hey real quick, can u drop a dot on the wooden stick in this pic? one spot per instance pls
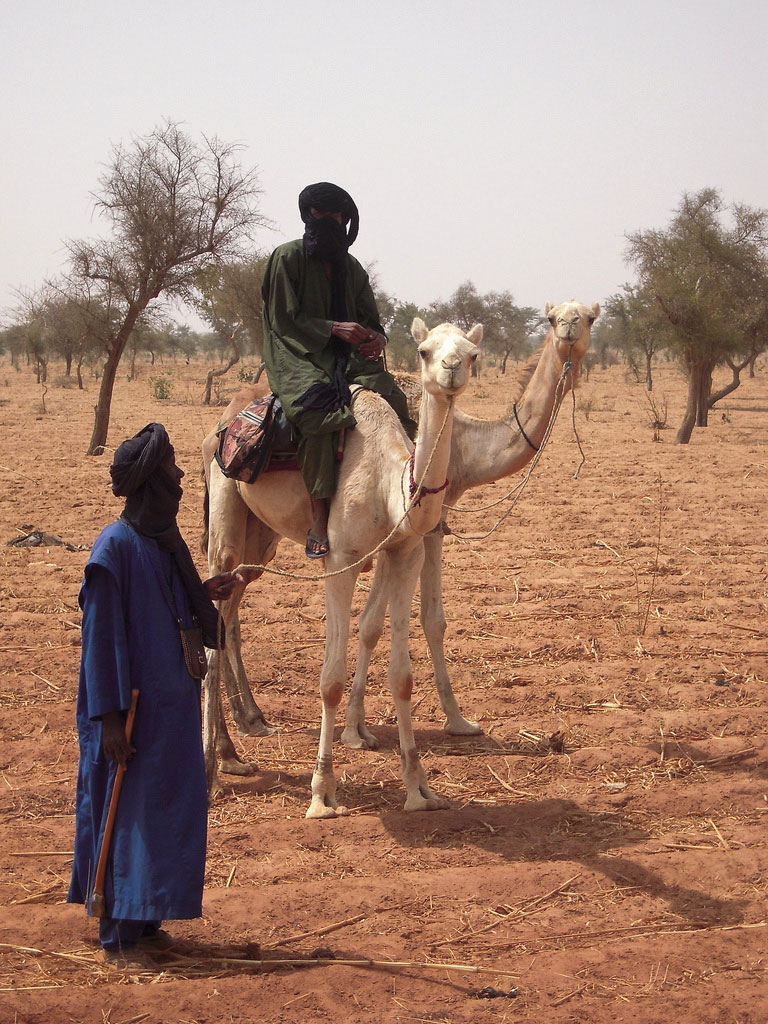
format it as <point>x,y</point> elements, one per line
<point>43,952</point>
<point>327,929</point>
<point>377,964</point>
<point>97,895</point>
<point>42,853</point>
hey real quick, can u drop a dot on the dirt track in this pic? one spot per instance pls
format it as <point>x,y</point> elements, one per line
<point>622,879</point>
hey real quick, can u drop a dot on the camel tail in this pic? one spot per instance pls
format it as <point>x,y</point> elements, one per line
<point>206,514</point>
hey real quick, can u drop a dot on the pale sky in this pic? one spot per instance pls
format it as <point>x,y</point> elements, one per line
<point>511,143</point>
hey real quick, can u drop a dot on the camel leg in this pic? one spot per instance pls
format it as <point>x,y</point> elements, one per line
<point>404,573</point>
<point>433,623</point>
<point>230,762</point>
<point>356,734</point>
<point>338,603</point>
<point>236,536</point>
<point>213,723</point>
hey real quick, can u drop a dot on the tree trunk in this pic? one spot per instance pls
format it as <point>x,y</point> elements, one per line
<point>648,372</point>
<point>714,398</point>
<point>504,363</point>
<point>104,403</point>
<point>689,420</point>
<point>80,372</point>
<point>704,391</point>
<point>234,358</point>
<point>68,364</point>
<point>102,407</point>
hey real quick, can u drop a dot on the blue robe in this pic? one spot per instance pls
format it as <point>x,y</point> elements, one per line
<point>131,640</point>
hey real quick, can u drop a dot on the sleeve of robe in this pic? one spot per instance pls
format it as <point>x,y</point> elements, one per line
<point>299,333</point>
<point>105,647</point>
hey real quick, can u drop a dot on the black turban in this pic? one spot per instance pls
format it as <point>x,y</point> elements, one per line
<point>144,473</point>
<point>137,458</point>
<point>327,198</point>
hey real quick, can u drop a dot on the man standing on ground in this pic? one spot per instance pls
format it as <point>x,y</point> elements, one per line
<point>140,589</point>
<point>321,334</point>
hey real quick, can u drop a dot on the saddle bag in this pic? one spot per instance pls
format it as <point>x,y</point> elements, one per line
<point>245,447</point>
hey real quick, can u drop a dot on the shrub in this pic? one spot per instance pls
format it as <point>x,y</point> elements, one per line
<point>161,387</point>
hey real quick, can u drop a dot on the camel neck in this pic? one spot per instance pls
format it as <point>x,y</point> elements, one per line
<point>487,450</point>
<point>433,446</point>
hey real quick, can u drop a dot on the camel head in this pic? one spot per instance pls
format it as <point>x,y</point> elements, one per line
<point>571,323</point>
<point>447,355</point>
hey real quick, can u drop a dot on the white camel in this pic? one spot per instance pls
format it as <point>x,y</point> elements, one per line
<point>482,451</point>
<point>246,522</point>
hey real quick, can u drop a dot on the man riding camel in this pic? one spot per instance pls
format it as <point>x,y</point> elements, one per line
<point>322,333</point>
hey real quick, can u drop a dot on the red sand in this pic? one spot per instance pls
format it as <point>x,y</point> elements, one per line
<point>623,879</point>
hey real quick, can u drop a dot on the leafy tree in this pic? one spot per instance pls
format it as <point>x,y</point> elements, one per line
<point>401,350</point>
<point>30,332</point>
<point>183,341</point>
<point>229,299</point>
<point>174,206</point>
<point>635,325</point>
<point>706,272</point>
<point>506,327</point>
<point>464,308</point>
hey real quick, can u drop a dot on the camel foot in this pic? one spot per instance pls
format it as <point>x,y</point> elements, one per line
<point>319,809</point>
<point>459,726</point>
<point>233,766</point>
<point>425,800</point>
<point>259,727</point>
<point>358,737</point>
<point>215,789</point>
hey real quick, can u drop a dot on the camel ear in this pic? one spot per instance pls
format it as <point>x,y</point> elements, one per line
<point>595,311</point>
<point>419,330</point>
<point>547,309</point>
<point>476,334</point>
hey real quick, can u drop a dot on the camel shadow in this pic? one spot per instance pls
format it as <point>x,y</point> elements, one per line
<point>265,780</point>
<point>433,740</point>
<point>550,830</point>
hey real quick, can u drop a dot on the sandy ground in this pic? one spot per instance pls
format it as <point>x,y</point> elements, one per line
<point>619,875</point>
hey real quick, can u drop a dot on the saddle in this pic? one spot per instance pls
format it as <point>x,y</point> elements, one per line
<point>258,440</point>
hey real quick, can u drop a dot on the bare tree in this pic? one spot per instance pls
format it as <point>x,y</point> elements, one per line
<point>174,207</point>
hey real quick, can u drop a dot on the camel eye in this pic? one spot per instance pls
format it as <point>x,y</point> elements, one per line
<point>474,358</point>
<point>591,320</point>
<point>423,353</point>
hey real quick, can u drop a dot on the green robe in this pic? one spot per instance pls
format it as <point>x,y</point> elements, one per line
<point>297,354</point>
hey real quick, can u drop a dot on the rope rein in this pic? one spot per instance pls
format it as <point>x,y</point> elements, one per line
<point>520,487</point>
<point>417,491</point>
<point>413,487</point>
<point>416,495</point>
<point>520,425</point>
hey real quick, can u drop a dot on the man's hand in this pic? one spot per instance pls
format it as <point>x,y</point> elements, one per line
<point>373,346</point>
<point>220,587</point>
<point>370,342</point>
<point>352,333</point>
<point>114,744</point>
